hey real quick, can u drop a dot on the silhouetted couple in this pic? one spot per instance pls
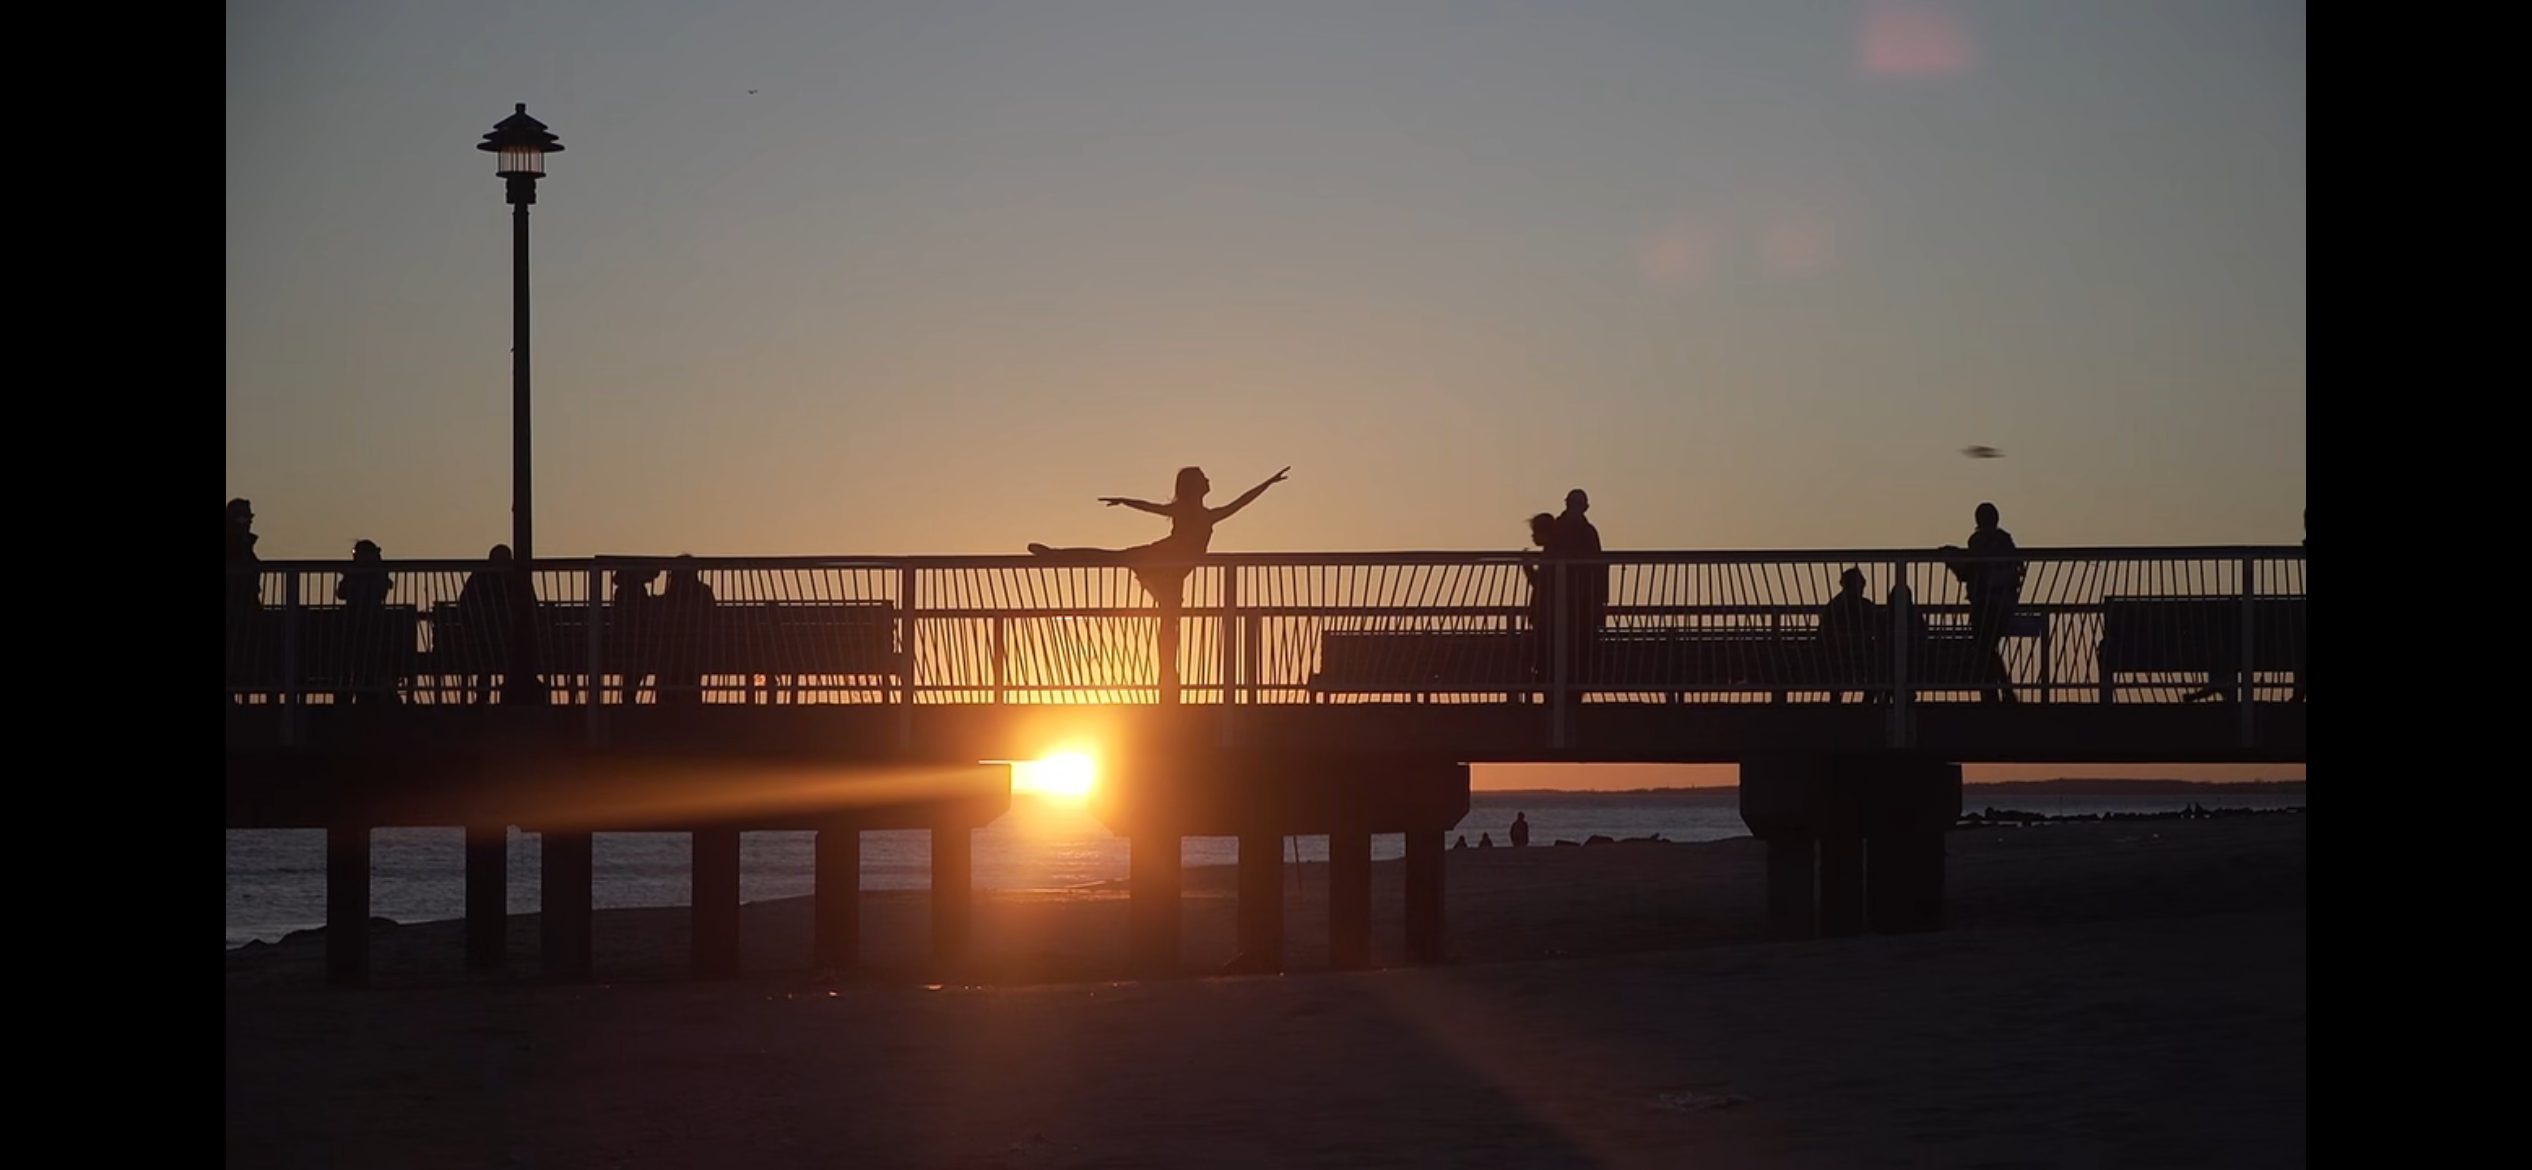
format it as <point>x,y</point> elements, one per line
<point>1162,565</point>
<point>1585,599</point>
<point>664,634</point>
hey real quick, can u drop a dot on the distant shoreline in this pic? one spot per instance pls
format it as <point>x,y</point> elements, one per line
<point>2060,787</point>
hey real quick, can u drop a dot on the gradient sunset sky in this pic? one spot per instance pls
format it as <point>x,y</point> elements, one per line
<point>1752,272</point>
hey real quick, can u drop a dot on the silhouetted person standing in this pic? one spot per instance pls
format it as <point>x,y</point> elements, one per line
<point>1590,602</point>
<point>363,591</point>
<point>1994,584</point>
<point>1849,630</point>
<point>484,604</point>
<point>685,611</point>
<point>1520,832</point>
<point>245,593</point>
<point>1542,601</point>
<point>241,540</point>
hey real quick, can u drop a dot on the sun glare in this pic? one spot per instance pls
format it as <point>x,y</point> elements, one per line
<point>1066,775</point>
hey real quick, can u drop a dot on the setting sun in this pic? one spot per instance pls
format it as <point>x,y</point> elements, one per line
<point>1068,775</point>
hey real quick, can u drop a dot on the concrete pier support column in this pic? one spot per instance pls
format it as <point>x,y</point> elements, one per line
<point>347,905</point>
<point>487,897</point>
<point>1841,882</point>
<point>713,907</point>
<point>1153,913</point>
<point>1349,900</point>
<point>1792,888</point>
<point>1877,824</point>
<point>1903,887</point>
<point>953,892</point>
<point>1425,936</point>
<point>1261,902</point>
<point>837,930</point>
<point>565,889</point>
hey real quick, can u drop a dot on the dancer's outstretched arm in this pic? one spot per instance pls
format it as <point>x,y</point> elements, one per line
<point>1137,505</point>
<point>1250,496</point>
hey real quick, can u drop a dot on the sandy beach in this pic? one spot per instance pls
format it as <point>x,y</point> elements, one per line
<point>2108,994</point>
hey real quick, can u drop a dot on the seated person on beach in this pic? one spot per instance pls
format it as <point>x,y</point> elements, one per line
<point>1190,532</point>
<point>1485,840</point>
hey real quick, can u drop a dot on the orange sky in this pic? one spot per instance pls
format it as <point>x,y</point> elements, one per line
<point>882,279</point>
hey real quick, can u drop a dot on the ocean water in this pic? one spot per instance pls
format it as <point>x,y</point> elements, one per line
<point>276,877</point>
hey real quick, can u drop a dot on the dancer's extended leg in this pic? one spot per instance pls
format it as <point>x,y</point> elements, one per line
<point>1076,554</point>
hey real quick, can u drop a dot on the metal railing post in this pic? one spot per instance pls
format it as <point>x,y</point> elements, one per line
<point>905,656</point>
<point>1252,655</point>
<point>2244,716</point>
<point>1001,668</point>
<point>1560,641</point>
<point>290,696</point>
<point>1228,626</point>
<point>1903,632</point>
<point>593,617</point>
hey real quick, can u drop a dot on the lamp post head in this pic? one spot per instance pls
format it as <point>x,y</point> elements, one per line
<point>521,144</point>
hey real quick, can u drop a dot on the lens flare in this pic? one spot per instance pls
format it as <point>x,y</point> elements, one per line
<point>1064,775</point>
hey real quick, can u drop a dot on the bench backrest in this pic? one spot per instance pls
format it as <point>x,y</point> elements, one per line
<point>753,637</point>
<point>2144,635</point>
<point>335,642</point>
<point>1407,660</point>
<point>1641,658</point>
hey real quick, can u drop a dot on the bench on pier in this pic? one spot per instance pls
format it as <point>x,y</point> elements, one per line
<point>1668,660</point>
<point>2198,640</point>
<point>786,643</point>
<point>367,650</point>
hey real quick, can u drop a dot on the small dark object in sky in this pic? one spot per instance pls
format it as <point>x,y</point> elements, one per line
<point>1982,452</point>
<point>751,92</point>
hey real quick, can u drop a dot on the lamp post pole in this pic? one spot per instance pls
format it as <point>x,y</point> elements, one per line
<point>521,144</point>
<point>522,463</point>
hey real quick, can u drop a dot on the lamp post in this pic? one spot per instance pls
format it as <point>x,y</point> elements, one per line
<point>521,144</point>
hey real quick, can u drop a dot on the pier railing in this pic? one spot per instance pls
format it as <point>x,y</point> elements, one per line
<point>2153,625</point>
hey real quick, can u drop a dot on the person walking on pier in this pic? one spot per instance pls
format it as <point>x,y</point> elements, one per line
<point>1994,581</point>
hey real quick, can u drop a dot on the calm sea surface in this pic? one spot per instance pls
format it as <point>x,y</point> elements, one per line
<point>276,878</point>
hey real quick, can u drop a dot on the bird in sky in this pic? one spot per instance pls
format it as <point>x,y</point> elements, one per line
<point>1982,452</point>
